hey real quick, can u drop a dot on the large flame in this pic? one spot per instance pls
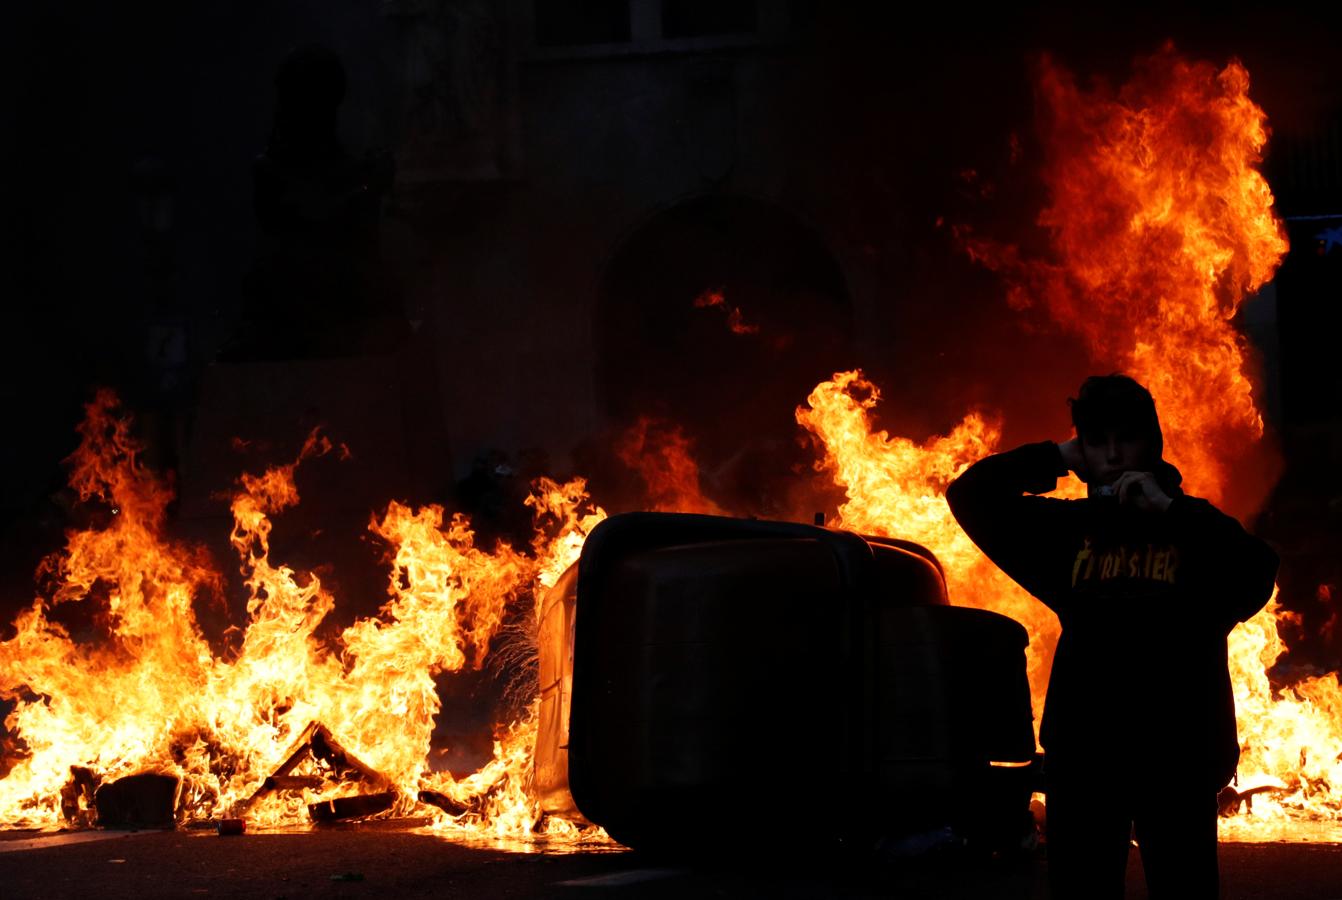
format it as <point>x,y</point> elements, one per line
<point>91,703</point>
<point>896,487</point>
<point>1159,227</point>
<point>155,696</point>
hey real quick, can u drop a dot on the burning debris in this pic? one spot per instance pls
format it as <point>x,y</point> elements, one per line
<point>1160,227</point>
<point>153,695</point>
<point>77,797</point>
<point>147,800</point>
<point>1233,800</point>
<point>338,765</point>
<point>358,806</point>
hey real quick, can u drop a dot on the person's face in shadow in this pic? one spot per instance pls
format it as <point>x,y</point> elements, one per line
<point>1109,452</point>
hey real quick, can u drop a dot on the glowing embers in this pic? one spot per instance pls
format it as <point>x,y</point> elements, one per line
<point>736,323</point>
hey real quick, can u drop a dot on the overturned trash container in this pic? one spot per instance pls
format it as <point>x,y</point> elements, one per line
<point>706,678</point>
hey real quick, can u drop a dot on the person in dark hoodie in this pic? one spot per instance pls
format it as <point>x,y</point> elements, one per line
<point>1147,582</point>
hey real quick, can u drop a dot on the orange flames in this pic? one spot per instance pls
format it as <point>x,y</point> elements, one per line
<point>662,455</point>
<point>896,487</point>
<point>88,704</point>
<point>154,695</point>
<point>1159,226</point>
<point>736,322</point>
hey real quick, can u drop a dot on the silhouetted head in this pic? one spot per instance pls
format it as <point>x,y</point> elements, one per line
<point>309,88</point>
<point>1116,423</point>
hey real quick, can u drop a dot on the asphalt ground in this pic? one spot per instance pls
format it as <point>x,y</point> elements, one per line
<point>391,860</point>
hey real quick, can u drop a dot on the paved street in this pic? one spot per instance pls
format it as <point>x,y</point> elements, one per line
<point>392,860</point>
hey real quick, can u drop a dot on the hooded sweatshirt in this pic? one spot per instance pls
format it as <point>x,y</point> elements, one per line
<point>1139,682</point>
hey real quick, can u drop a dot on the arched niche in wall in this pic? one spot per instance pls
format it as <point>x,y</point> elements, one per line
<point>720,314</point>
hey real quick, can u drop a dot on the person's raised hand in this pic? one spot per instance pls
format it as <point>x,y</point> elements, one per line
<point>1073,458</point>
<point>1142,491</point>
